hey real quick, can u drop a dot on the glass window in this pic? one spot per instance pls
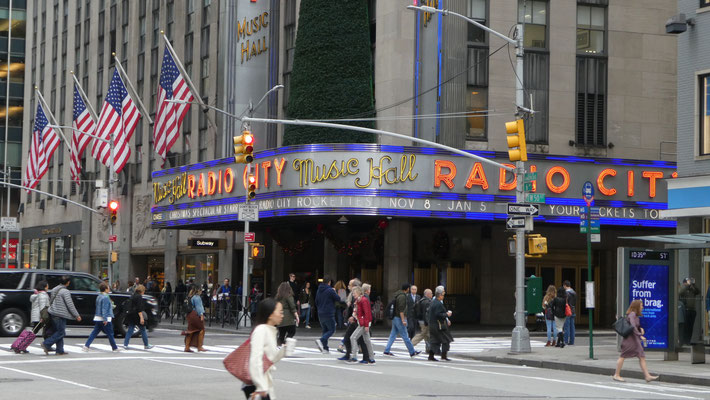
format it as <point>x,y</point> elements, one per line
<point>705,114</point>
<point>704,3</point>
<point>537,73</point>
<point>10,280</point>
<point>477,10</point>
<point>83,283</point>
<point>591,25</point>
<point>591,100</point>
<point>477,96</point>
<point>533,13</point>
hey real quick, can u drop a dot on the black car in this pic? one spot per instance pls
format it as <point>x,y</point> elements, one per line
<point>16,286</point>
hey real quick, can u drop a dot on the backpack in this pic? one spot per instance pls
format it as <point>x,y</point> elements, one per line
<point>187,306</point>
<point>389,311</point>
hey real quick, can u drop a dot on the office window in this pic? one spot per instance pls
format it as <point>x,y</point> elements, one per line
<point>591,26</point>
<point>704,3</point>
<point>591,101</point>
<point>477,10</point>
<point>156,27</point>
<point>170,19</point>
<point>289,48</point>
<point>533,13</point>
<point>704,114</point>
<point>139,151</point>
<point>477,78</point>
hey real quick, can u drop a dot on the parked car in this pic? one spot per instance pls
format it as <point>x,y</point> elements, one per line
<point>17,285</point>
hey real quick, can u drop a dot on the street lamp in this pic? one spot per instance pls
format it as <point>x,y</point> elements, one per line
<point>520,342</point>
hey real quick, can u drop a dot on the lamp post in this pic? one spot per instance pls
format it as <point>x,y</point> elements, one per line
<point>520,342</point>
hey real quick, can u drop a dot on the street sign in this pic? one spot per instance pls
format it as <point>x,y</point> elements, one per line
<point>595,237</point>
<point>530,177</point>
<point>594,212</point>
<point>112,238</point>
<point>523,209</point>
<point>588,192</point>
<point>249,236</point>
<point>535,197</point>
<point>8,224</point>
<point>515,222</point>
<point>248,212</point>
<point>528,186</point>
<point>595,227</point>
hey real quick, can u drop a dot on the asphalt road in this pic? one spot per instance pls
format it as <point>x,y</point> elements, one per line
<point>165,372</point>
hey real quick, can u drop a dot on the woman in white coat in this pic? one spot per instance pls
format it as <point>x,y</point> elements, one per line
<point>39,300</point>
<point>269,315</point>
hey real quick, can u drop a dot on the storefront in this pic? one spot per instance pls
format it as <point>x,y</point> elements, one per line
<point>52,246</point>
<point>393,214</point>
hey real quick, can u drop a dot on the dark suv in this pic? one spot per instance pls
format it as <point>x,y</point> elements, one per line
<point>16,286</point>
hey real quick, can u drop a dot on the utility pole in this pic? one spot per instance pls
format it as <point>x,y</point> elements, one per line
<point>7,118</point>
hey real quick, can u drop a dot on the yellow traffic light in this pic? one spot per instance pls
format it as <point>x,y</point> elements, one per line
<point>537,244</point>
<point>256,250</point>
<point>243,148</point>
<point>114,256</point>
<point>517,150</point>
<point>251,187</point>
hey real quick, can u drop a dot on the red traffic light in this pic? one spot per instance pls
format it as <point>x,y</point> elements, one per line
<point>113,205</point>
<point>248,139</point>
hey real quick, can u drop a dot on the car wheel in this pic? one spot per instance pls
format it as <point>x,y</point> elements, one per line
<point>12,322</point>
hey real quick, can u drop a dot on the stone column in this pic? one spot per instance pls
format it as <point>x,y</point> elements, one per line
<point>224,269</point>
<point>277,266</point>
<point>330,260</point>
<point>171,253</point>
<point>85,244</point>
<point>398,257</point>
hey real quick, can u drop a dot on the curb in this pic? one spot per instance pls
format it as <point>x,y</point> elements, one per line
<point>587,369</point>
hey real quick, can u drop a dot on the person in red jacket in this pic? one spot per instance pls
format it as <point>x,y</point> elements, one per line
<point>364,320</point>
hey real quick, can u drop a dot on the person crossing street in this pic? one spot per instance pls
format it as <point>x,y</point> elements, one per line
<point>399,322</point>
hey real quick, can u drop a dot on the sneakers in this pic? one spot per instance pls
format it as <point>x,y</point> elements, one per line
<point>125,347</point>
<point>64,353</point>
<point>148,347</point>
<point>308,327</point>
<point>116,350</point>
<point>320,346</point>
<point>344,358</point>
<point>371,362</point>
<point>341,348</point>
<point>387,353</point>
<point>352,360</point>
<point>416,353</point>
<point>365,362</point>
<point>85,349</point>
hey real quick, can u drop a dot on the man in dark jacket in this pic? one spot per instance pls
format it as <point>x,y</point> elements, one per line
<point>399,322</point>
<point>294,287</point>
<point>569,322</point>
<point>412,300</point>
<point>439,334</point>
<point>326,298</point>
<point>61,309</point>
<point>421,311</point>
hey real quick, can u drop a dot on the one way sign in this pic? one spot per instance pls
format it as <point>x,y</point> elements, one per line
<point>523,209</point>
<point>515,222</point>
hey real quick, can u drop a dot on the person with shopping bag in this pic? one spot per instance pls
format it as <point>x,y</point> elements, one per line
<point>253,361</point>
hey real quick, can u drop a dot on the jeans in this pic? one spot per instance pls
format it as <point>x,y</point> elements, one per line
<point>339,318</point>
<point>399,329</point>
<point>59,326</point>
<point>569,330</point>
<point>129,333</point>
<point>306,315</point>
<point>328,326</point>
<point>100,327</point>
<point>551,330</point>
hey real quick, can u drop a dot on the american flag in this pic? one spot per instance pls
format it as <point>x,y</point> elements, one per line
<point>44,141</point>
<point>169,115</point>
<point>118,119</point>
<point>83,122</point>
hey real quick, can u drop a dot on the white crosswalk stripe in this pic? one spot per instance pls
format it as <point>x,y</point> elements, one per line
<point>461,345</point>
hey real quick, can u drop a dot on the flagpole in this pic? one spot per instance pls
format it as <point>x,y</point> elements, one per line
<point>84,97</point>
<point>135,96</point>
<point>49,113</point>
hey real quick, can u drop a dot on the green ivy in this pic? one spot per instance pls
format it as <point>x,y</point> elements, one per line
<point>332,71</point>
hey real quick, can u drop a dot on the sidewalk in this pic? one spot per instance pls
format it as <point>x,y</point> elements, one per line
<point>576,359</point>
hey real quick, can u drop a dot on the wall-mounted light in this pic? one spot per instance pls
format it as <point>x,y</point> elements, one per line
<point>679,24</point>
<point>342,220</point>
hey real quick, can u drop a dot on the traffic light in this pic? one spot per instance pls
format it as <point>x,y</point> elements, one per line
<point>251,187</point>
<point>537,244</point>
<point>256,250</point>
<point>517,150</point>
<point>113,211</point>
<point>114,256</point>
<point>243,147</point>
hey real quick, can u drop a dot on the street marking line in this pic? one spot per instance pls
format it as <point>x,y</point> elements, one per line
<point>663,388</point>
<point>594,385</point>
<point>187,365</point>
<point>19,371</point>
<point>332,366</point>
<point>50,359</point>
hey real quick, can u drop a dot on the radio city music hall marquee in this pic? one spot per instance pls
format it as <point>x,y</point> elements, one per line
<point>369,179</point>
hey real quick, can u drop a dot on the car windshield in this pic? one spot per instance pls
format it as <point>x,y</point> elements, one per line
<point>84,284</point>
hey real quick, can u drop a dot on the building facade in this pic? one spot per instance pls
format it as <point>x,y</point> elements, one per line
<point>600,75</point>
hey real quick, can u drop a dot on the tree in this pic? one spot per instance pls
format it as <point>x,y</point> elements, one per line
<point>332,71</point>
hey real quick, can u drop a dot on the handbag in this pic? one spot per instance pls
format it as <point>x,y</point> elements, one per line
<point>237,362</point>
<point>568,310</point>
<point>623,327</point>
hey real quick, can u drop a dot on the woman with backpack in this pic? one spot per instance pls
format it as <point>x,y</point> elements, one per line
<point>269,315</point>
<point>549,316</point>
<point>631,345</point>
<point>195,332</point>
<point>136,316</point>
<point>559,305</point>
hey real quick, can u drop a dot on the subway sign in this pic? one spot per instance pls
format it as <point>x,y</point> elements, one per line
<point>371,179</point>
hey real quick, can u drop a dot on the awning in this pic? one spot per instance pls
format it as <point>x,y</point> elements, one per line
<point>678,241</point>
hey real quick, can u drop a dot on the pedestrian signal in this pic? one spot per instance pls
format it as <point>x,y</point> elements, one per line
<point>256,250</point>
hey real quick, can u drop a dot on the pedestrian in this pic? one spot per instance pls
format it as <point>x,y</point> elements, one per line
<point>254,298</point>
<point>129,289</point>
<point>39,300</point>
<point>364,321</point>
<point>421,312</point>
<point>558,305</point>
<point>632,346</point>
<point>132,286</point>
<point>195,332</point>
<point>224,294</point>
<point>351,312</point>
<point>287,327</point>
<point>399,322</point>
<point>103,318</point>
<point>294,287</point>
<point>412,300</point>
<point>340,306</point>
<point>269,314</point>
<point>136,316</point>
<point>326,299</point>
<point>61,309</point>
<point>439,336</point>
<point>688,296</point>
<point>569,322</point>
<point>166,299</point>
<point>306,301</point>
<point>549,316</point>
<point>116,286</point>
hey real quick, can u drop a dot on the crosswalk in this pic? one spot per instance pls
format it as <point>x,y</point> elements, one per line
<point>459,345</point>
